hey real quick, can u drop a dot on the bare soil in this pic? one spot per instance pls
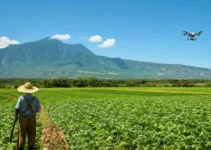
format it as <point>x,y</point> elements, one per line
<point>52,138</point>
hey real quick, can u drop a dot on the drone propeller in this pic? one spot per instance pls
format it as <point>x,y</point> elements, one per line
<point>185,33</point>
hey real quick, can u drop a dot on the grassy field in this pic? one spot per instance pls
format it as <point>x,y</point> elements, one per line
<point>122,118</point>
<point>194,90</point>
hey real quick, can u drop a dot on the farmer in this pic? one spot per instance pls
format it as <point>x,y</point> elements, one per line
<point>25,110</point>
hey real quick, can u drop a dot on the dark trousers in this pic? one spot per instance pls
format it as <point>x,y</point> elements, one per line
<point>27,127</point>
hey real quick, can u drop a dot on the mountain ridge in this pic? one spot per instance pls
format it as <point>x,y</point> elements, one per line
<point>51,58</point>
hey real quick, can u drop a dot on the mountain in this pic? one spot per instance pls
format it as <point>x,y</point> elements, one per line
<point>50,58</point>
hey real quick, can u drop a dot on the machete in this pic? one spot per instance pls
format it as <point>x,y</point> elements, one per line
<point>13,126</point>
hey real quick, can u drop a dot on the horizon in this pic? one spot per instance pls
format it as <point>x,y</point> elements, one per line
<point>142,31</point>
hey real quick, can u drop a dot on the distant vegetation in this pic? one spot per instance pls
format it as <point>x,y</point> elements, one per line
<point>94,82</point>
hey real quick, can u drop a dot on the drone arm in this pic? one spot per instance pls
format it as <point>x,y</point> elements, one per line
<point>198,34</point>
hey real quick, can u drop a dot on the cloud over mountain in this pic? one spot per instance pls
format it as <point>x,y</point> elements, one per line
<point>108,43</point>
<point>5,41</point>
<point>95,38</point>
<point>61,36</point>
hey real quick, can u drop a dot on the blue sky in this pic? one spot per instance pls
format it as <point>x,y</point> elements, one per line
<point>144,30</point>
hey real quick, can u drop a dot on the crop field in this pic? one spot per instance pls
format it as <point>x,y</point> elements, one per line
<point>121,118</point>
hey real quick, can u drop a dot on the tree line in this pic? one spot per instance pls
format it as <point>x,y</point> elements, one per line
<point>94,82</point>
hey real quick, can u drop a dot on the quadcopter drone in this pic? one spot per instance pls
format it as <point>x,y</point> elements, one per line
<point>191,36</point>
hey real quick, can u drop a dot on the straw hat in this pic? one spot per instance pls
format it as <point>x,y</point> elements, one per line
<point>27,88</point>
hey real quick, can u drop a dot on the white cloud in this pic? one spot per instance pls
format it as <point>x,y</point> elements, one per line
<point>5,41</point>
<point>61,36</point>
<point>107,43</point>
<point>95,38</point>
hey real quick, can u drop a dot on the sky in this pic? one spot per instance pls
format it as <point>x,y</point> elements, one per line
<point>143,30</point>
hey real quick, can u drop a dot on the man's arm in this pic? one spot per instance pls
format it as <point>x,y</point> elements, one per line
<point>17,109</point>
<point>38,107</point>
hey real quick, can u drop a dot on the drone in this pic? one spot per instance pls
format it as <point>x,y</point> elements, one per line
<point>191,36</point>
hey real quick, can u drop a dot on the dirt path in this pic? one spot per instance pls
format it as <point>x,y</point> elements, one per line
<point>52,138</point>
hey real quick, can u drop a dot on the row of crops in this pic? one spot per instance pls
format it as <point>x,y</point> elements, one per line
<point>108,119</point>
<point>6,121</point>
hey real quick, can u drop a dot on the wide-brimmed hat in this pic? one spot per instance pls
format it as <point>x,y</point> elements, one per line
<point>27,88</point>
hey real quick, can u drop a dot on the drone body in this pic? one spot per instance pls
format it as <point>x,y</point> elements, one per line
<point>191,36</point>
